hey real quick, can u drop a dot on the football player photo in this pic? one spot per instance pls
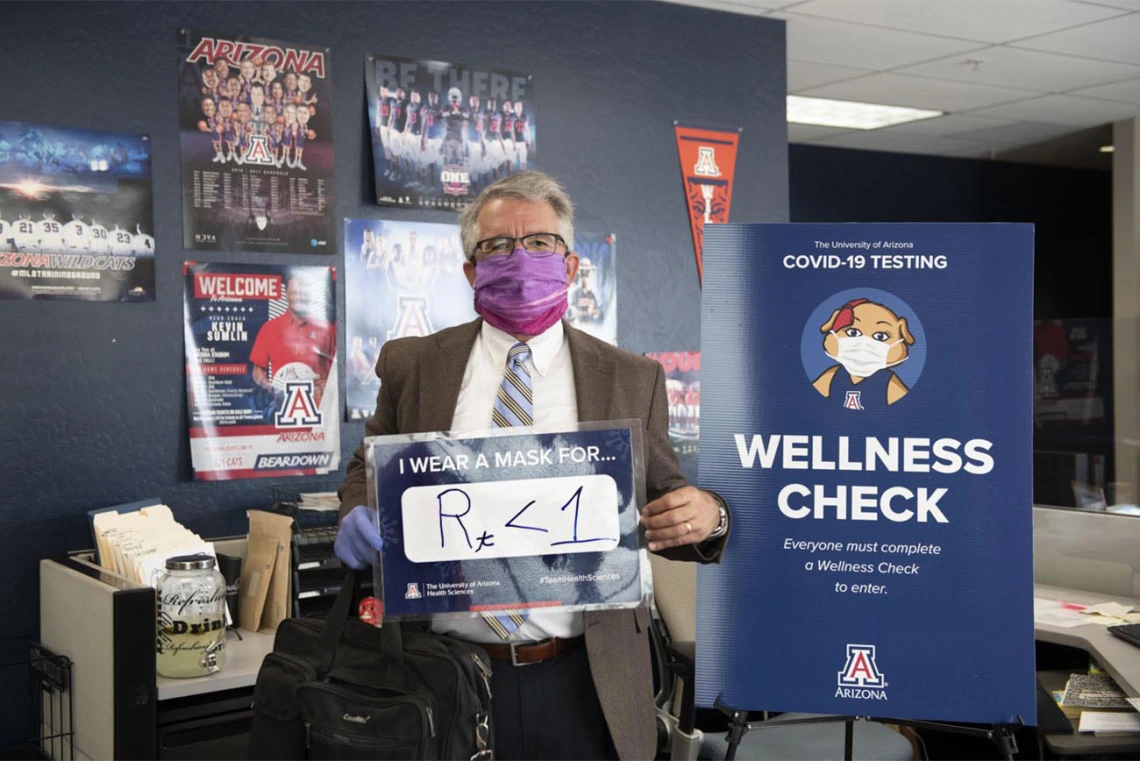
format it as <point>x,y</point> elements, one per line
<point>443,131</point>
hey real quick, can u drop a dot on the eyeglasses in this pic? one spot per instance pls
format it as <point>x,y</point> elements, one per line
<point>537,245</point>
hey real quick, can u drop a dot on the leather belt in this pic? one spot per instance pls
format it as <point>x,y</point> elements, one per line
<point>528,653</point>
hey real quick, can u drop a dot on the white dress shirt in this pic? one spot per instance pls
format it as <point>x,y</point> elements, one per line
<point>555,404</point>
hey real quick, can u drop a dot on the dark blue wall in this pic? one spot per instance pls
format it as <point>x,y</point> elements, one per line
<point>92,410</point>
<point>1071,208</point>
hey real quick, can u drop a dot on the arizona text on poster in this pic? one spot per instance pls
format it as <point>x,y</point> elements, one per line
<point>257,150</point>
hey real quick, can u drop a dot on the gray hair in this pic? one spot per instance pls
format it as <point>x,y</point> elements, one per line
<point>530,185</point>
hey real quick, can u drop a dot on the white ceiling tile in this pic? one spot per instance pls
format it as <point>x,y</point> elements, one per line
<point>1013,133</point>
<point>1063,109</point>
<point>981,20</point>
<point>746,7</point>
<point>1024,69</point>
<point>1117,39</point>
<point>1126,92</point>
<point>803,133</point>
<point>918,92</point>
<point>805,74</point>
<point>1127,5</point>
<point>880,140</point>
<point>864,47</point>
<point>947,126</point>
<point>740,6</point>
<point>1064,65</point>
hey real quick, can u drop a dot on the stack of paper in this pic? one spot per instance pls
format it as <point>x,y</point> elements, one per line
<point>137,544</point>
<point>322,501</point>
<point>1070,614</point>
<point>1111,614</point>
<point>1057,613</point>
<point>1093,691</point>
<point>1104,722</point>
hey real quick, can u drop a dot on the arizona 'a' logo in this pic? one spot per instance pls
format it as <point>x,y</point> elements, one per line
<point>411,317</point>
<point>258,152</point>
<point>706,162</point>
<point>861,669</point>
<point>300,408</point>
<point>413,592</point>
<point>853,401</point>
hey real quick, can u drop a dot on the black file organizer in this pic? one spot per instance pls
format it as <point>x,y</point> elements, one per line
<point>317,574</point>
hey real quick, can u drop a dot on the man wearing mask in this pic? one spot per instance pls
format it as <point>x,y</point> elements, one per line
<point>582,686</point>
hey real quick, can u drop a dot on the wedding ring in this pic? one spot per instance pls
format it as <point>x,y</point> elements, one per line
<point>688,527</point>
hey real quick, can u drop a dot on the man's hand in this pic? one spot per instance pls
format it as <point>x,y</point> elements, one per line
<point>358,540</point>
<point>685,516</point>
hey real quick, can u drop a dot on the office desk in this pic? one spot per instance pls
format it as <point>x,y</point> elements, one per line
<point>1120,659</point>
<point>122,708</point>
<point>243,661</point>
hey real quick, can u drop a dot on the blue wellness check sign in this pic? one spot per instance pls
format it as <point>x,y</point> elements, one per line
<point>867,401</point>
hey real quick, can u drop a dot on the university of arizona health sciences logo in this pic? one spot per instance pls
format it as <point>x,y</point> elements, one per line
<point>860,678</point>
<point>413,592</point>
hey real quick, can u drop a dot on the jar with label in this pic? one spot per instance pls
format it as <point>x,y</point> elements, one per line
<point>191,618</point>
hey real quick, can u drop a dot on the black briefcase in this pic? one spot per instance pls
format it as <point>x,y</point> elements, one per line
<point>337,688</point>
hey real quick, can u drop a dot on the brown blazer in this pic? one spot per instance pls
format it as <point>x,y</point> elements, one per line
<point>419,387</point>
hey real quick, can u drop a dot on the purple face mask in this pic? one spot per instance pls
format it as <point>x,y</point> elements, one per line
<point>520,294</point>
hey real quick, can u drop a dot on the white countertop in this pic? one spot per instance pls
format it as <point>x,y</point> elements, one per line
<point>1120,659</point>
<point>243,661</point>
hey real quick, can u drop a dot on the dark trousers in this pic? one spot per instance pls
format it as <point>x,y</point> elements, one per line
<point>549,710</point>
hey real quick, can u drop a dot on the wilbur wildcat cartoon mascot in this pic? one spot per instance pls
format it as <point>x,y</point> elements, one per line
<point>866,339</point>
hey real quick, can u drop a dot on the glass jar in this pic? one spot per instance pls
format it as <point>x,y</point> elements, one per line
<point>191,617</point>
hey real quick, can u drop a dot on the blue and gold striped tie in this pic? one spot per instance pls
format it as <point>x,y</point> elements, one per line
<point>514,406</point>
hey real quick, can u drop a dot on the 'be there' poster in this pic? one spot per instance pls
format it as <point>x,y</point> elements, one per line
<point>867,415</point>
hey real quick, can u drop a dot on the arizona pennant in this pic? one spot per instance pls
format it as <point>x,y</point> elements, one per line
<point>708,158</point>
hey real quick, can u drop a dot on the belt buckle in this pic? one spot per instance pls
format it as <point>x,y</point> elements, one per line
<point>514,653</point>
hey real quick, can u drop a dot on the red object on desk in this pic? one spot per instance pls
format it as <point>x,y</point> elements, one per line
<point>371,611</point>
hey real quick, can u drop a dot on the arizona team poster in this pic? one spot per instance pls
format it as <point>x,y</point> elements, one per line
<point>76,214</point>
<point>257,145</point>
<point>683,386</point>
<point>1071,374</point>
<point>403,279</point>
<point>261,370</point>
<point>441,132</point>
<point>592,300</point>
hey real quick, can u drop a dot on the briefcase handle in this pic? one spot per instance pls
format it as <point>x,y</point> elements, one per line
<point>391,639</point>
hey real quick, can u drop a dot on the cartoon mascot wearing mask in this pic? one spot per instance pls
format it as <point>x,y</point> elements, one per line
<point>865,339</point>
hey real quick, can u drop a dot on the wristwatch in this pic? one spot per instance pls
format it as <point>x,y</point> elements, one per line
<point>721,527</point>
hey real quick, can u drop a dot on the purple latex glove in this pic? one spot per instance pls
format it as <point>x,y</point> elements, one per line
<point>358,540</point>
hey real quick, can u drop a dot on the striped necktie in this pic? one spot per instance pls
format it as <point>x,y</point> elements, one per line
<point>514,406</point>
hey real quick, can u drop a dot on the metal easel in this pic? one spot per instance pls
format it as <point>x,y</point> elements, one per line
<point>1002,735</point>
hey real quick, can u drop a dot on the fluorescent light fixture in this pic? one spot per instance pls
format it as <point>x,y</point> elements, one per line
<point>1107,148</point>
<point>849,114</point>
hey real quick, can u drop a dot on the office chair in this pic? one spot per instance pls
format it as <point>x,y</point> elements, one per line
<point>674,633</point>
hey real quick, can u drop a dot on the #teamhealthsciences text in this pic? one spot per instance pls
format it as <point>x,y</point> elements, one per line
<point>864,503</point>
